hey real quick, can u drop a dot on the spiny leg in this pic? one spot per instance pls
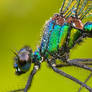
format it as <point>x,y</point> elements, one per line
<point>66,64</point>
<point>80,60</point>
<point>82,63</point>
<point>85,81</point>
<point>72,62</point>
<point>68,76</point>
<point>28,85</point>
<point>75,62</point>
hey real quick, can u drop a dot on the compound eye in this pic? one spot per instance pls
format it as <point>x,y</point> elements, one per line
<point>24,57</point>
<point>19,72</point>
<point>22,63</point>
<point>15,65</point>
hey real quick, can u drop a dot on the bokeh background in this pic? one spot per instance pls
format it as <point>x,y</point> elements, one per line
<point>21,23</point>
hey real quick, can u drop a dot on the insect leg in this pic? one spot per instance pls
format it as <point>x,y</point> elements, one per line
<point>85,81</point>
<point>78,65</point>
<point>80,60</point>
<point>66,64</point>
<point>62,65</point>
<point>28,85</point>
<point>82,63</point>
<point>68,76</point>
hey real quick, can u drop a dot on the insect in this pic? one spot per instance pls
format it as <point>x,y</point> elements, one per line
<point>61,33</point>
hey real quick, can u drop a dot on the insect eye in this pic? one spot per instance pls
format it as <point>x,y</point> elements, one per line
<point>22,63</point>
<point>15,65</point>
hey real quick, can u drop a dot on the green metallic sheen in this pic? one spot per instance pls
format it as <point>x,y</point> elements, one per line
<point>88,26</point>
<point>36,56</point>
<point>54,37</point>
<point>58,37</point>
<point>63,34</point>
<point>74,35</point>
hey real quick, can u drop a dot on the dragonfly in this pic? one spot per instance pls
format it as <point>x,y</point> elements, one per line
<point>62,32</point>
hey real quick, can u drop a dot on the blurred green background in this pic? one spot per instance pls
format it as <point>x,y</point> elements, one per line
<point>21,23</point>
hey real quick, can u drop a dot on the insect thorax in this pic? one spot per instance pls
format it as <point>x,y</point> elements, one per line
<point>56,33</point>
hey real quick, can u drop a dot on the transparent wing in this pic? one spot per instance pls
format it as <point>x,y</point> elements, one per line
<point>78,8</point>
<point>68,7</point>
<point>84,9</point>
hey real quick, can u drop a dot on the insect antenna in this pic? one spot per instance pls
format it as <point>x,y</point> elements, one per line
<point>14,53</point>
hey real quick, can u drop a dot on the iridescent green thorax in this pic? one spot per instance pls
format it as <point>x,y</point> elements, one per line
<point>63,34</point>
<point>88,26</point>
<point>74,35</point>
<point>45,39</point>
<point>58,37</point>
<point>54,37</point>
<point>36,57</point>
